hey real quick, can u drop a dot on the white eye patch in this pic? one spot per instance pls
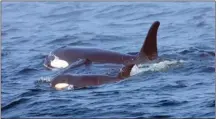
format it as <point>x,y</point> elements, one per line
<point>61,86</point>
<point>58,63</point>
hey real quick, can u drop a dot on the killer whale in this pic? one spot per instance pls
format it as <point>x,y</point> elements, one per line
<point>81,81</point>
<point>64,57</point>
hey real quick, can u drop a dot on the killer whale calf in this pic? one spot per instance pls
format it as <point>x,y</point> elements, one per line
<point>64,57</point>
<point>63,81</point>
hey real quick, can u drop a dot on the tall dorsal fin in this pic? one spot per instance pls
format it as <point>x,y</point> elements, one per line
<point>149,47</point>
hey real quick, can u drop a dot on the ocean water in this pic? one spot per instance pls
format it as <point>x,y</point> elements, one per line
<point>179,84</point>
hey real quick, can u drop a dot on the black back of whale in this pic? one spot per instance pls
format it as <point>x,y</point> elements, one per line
<point>147,52</point>
<point>83,81</point>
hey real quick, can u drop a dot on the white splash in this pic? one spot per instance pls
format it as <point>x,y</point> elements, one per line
<point>45,79</point>
<point>160,66</point>
<point>70,87</point>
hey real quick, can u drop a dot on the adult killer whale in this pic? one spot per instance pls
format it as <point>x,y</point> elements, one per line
<point>64,57</point>
<point>81,81</point>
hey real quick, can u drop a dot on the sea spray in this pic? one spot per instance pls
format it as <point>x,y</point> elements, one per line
<point>159,66</point>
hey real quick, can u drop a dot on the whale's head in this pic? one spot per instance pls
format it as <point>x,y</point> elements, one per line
<point>53,62</point>
<point>61,82</point>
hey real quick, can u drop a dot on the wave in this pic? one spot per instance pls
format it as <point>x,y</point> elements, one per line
<point>73,14</point>
<point>170,103</point>
<point>197,51</point>
<point>80,43</point>
<point>108,38</point>
<point>14,103</point>
<point>27,70</point>
<point>206,69</point>
<point>65,38</point>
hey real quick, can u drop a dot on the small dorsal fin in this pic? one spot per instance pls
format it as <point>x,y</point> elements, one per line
<point>125,71</point>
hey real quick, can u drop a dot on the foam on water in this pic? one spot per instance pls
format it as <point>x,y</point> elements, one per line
<point>159,66</point>
<point>45,79</point>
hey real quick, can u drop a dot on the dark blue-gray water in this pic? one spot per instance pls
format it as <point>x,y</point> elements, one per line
<point>180,85</point>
